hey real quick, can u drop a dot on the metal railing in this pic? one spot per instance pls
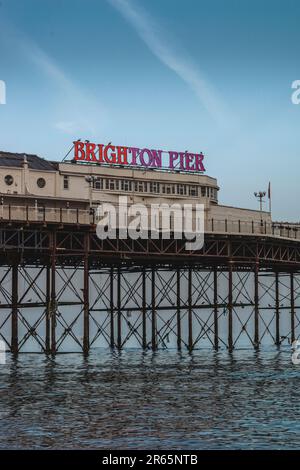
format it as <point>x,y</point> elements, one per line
<point>253,227</point>
<point>45,214</point>
<point>30,214</point>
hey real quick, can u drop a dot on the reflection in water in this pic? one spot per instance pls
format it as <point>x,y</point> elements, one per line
<point>162,400</point>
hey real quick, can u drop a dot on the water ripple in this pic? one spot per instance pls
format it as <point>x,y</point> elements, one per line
<point>161,400</point>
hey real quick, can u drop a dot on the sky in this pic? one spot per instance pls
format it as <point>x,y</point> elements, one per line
<point>199,75</point>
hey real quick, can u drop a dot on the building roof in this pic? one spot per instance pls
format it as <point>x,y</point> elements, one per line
<point>16,160</point>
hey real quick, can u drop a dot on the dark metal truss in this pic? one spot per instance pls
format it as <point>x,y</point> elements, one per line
<point>67,290</point>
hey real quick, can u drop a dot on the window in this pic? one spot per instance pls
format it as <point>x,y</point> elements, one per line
<point>140,186</point>
<point>125,185</point>
<point>41,182</point>
<point>214,194</point>
<point>98,183</point>
<point>193,191</point>
<point>112,185</point>
<point>203,191</point>
<point>154,187</point>
<point>167,188</point>
<point>181,189</point>
<point>66,182</point>
<point>8,180</point>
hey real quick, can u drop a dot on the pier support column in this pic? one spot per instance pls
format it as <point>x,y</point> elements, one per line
<point>230,307</point>
<point>292,307</point>
<point>256,306</point>
<point>119,313</point>
<point>153,311</point>
<point>178,304</point>
<point>86,304</point>
<point>277,313</point>
<point>112,329</point>
<point>144,309</point>
<point>48,309</point>
<point>53,293</point>
<point>190,312</point>
<point>14,313</point>
<point>216,326</point>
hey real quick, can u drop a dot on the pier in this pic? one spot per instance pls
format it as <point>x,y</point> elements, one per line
<point>60,283</point>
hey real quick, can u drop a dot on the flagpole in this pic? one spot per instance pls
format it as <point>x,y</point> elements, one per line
<point>269,196</point>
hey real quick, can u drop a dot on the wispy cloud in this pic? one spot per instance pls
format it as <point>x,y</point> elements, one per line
<point>151,34</point>
<point>77,110</point>
<point>77,101</point>
<point>68,127</point>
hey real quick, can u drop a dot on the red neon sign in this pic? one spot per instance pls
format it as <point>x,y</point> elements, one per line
<point>133,156</point>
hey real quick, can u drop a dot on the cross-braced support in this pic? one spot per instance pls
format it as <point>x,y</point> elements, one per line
<point>66,291</point>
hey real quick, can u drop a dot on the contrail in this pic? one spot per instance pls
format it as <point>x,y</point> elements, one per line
<point>148,31</point>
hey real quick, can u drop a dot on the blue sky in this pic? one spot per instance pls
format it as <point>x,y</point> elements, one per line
<point>203,75</point>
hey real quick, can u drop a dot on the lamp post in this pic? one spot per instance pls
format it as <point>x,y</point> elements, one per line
<point>260,197</point>
<point>90,180</point>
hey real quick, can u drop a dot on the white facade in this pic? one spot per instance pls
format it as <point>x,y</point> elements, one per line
<point>77,185</point>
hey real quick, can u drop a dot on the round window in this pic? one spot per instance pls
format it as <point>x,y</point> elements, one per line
<point>9,180</point>
<point>41,182</point>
